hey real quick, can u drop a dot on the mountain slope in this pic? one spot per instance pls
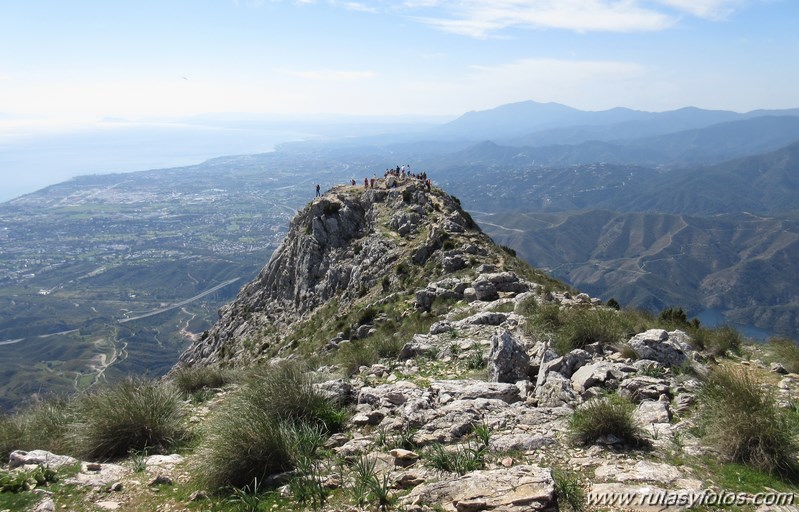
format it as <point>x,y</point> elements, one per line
<point>743,265</point>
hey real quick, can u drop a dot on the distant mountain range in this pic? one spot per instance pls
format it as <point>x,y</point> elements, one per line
<point>542,124</point>
<point>705,201</point>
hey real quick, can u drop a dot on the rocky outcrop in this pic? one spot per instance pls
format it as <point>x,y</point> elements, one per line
<point>347,249</point>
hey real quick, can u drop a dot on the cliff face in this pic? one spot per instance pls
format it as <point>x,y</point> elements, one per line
<point>347,250</point>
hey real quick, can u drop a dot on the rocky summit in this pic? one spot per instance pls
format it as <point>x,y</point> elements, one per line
<point>350,250</point>
<point>467,381</point>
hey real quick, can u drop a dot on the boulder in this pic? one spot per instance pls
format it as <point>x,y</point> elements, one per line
<point>554,391</point>
<point>485,290</point>
<point>652,411</point>
<point>668,349</point>
<point>515,489</point>
<point>19,458</point>
<point>507,360</point>
<point>597,374</point>
<point>485,318</point>
<point>641,387</point>
<point>420,344</point>
<point>337,390</point>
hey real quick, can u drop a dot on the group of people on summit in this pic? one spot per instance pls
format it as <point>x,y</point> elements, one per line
<point>391,176</point>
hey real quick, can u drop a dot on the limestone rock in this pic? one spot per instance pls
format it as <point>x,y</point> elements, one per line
<point>516,489</point>
<point>470,390</point>
<point>669,349</point>
<point>597,374</point>
<point>19,458</point>
<point>652,411</point>
<point>507,360</point>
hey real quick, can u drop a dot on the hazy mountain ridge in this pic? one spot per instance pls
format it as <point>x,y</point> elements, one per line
<point>534,124</point>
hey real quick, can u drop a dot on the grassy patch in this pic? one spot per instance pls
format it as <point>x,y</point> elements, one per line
<point>740,419</point>
<point>194,379</point>
<point>785,352</point>
<point>132,415</point>
<point>42,425</point>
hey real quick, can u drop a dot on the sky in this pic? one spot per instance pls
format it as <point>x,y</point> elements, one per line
<point>82,60</point>
<point>90,66</point>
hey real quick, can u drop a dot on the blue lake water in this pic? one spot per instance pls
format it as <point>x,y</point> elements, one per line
<point>716,318</point>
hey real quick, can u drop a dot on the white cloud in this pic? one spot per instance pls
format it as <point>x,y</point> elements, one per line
<point>358,6</point>
<point>328,75</point>
<point>480,18</point>
<point>710,9</point>
<point>484,18</point>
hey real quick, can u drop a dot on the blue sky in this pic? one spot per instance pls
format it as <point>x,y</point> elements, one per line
<point>73,61</point>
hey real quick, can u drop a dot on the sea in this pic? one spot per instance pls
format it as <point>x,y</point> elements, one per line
<point>30,163</point>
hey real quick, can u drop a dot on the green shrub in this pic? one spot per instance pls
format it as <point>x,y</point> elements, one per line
<point>132,415</point>
<point>634,321</point>
<point>191,379</point>
<point>613,304</point>
<point>45,425</point>
<point>546,317</point>
<point>387,346</point>
<point>611,415</point>
<point>568,490</point>
<point>367,486</point>
<point>585,326</point>
<point>740,418</point>
<point>10,436</point>
<point>402,438</point>
<point>461,460</point>
<point>26,479</point>
<point>723,340</point>
<point>785,352</point>
<point>255,433</point>
<point>508,250</point>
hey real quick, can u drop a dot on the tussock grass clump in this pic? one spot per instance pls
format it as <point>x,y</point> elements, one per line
<point>133,415</point>
<point>254,433</point>
<point>785,352</point>
<point>611,415</point>
<point>10,436</point>
<point>568,490</point>
<point>190,380</point>
<point>740,418</point>
<point>583,327</point>
<point>45,425</point>
<point>42,425</point>
<point>723,340</point>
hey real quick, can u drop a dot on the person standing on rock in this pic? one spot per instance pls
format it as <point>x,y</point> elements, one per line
<point>317,190</point>
<point>366,183</point>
